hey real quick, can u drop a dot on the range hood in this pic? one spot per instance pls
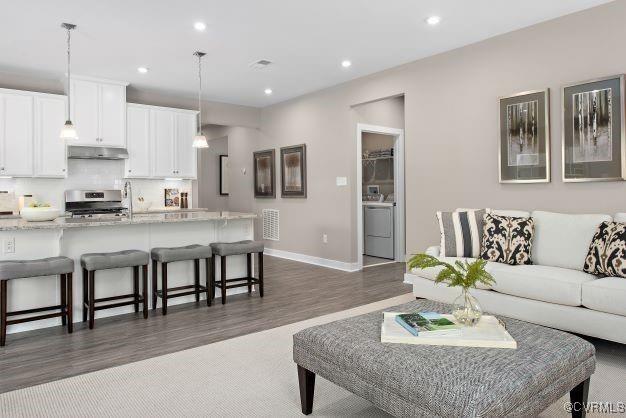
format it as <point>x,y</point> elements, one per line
<point>96,153</point>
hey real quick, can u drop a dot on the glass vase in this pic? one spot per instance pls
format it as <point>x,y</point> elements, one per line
<point>467,310</point>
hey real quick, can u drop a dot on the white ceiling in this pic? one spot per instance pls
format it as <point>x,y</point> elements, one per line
<point>306,40</point>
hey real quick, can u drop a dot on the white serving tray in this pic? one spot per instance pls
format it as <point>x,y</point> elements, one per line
<point>488,333</point>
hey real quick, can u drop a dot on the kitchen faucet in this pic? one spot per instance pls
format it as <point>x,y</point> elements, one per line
<point>128,194</point>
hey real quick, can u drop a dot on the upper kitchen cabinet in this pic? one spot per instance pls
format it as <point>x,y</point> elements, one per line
<point>16,133</point>
<point>98,109</point>
<point>160,142</point>
<point>50,156</point>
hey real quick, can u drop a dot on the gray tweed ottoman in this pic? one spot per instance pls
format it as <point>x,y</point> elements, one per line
<point>438,381</point>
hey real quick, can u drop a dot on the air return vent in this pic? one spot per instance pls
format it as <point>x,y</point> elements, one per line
<point>271,221</point>
<point>260,64</point>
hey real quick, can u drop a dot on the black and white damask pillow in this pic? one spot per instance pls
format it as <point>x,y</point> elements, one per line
<point>607,252</point>
<point>507,240</point>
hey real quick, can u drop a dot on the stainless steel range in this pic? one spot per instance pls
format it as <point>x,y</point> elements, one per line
<point>95,204</point>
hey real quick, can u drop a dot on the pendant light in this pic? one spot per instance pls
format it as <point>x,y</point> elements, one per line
<point>199,141</point>
<point>68,131</point>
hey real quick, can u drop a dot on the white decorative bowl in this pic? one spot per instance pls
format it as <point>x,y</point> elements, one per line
<point>39,214</point>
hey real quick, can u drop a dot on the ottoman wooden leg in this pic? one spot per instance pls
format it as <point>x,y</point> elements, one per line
<point>69,303</point>
<point>144,287</point>
<point>306,378</point>
<point>578,397</point>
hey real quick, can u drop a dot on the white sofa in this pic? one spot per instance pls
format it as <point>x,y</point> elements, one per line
<point>554,291</point>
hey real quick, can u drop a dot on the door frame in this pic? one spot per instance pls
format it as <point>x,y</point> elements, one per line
<point>398,174</point>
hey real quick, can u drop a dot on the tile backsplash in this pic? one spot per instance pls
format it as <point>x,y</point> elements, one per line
<point>94,174</point>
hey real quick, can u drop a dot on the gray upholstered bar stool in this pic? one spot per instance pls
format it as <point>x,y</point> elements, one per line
<point>19,269</point>
<point>165,256</point>
<point>224,249</point>
<point>116,260</point>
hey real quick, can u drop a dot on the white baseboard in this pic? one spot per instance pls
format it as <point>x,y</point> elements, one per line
<point>303,258</point>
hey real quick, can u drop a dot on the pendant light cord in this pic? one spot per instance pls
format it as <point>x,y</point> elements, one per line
<point>68,74</point>
<point>199,94</point>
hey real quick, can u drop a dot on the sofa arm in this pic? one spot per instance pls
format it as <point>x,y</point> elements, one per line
<point>433,251</point>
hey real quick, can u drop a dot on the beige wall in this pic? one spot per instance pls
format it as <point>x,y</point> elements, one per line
<point>207,189</point>
<point>451,129</point>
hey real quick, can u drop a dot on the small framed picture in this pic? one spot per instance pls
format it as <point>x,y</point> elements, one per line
<point>293,171</point>
<point>264,174</point>
<point>524,149</point>
<point>172,198</point>
<point>593,130</point>
<point>223,175</point>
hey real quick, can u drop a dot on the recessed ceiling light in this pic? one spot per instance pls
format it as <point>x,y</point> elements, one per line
<point>346,63</point>
<point>268,91</point>
<point>142,70</point>
<point>433,20</point>
<point>200,26</point>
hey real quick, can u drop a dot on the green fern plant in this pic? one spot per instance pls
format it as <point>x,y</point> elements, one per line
<point>462,274</point>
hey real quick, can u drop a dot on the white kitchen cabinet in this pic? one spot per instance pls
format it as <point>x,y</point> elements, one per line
<point>98,109</point>
<point>163,142</point>
<point>160,142</point>
<point>50,155</point>
<point>139,162</point>
<point>16,134</point>
<point>185,154</point>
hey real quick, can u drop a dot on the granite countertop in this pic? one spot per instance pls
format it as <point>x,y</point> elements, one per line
<point>145,218</point>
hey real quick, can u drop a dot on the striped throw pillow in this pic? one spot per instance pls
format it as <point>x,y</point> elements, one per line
<point>461,233</point>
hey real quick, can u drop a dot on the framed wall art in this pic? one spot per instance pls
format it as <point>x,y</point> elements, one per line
<point>593,130</point>
<point>524,148</point>
<point>293,171</point>
<point>264,174</point>
<point>223,175</point>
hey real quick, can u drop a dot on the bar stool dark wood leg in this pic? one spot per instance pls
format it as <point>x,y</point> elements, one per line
<point>69,303</point>
<point>3,312</point>
<point>261,274</point>
<point>63,280</point>
<point>164,288</point>
<point>223,278</point>
<point>208,281</point>
<point>155,274</point>
<point>136,287</point>
<point>85,294</point>
<point>196,278</point>
<point>213,277</point>
<point>249,262</point>
<point>144,287</point>
<point>92,298</point>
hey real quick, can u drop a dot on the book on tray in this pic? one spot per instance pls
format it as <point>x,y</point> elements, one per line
<point>427,323</point>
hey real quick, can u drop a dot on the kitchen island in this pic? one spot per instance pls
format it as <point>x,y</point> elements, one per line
<point>74,237</point>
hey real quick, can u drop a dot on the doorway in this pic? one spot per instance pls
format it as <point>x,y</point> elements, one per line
<point>380,206</point>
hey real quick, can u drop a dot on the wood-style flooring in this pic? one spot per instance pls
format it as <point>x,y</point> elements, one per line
<point>293,292</point>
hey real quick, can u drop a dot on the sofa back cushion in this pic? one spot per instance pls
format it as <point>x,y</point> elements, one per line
<point>620,217</point>
<point>563,240</point>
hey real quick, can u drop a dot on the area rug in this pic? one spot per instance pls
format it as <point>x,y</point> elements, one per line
<point>252,375</point>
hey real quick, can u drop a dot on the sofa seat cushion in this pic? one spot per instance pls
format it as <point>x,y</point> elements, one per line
<point>606,295</point>
<point>544,283</point>
<point>431,273</point>
<point>563,240</point>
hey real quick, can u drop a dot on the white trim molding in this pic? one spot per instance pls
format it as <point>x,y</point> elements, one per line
<point>318,261</point>
<point>399,219</point>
